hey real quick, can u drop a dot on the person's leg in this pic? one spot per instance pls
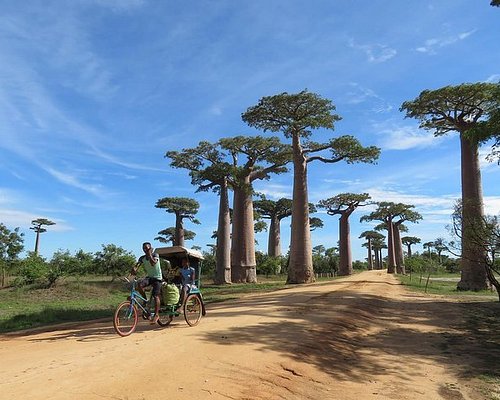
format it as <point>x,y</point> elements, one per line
<point>156,296</point>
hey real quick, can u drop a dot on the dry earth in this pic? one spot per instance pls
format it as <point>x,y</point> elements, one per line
<point>363,337</point>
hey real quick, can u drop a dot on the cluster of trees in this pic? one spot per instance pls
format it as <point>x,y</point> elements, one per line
<point>233,164</point>
<point>236,163</point>
<point>111,260</point>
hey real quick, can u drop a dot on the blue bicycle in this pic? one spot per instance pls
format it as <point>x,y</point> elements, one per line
<point>192,307</point>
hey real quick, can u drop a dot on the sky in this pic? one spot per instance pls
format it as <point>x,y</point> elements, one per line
<point>94,92</point>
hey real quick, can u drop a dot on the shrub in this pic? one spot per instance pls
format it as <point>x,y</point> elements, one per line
<point>33,269</point>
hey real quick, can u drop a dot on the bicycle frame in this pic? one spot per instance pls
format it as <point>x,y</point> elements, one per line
<point>134,294</point>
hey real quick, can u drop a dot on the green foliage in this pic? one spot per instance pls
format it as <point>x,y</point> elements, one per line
<point>292,113</point>
<point>113,261</point>
<point>209,263</point>
<point>343,203</point>
<point>325,260</point>
<point>11,243</point>
<point>270,266</point>
<point>360,265</point>
<point>464,108</point>
<point>33,269</point>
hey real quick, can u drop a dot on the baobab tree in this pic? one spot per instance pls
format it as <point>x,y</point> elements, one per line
<point>167,236</point>
<point>385,213</point>
<point>370,236</point>
<point>38,228</point>
<point>183,208</point>
<point>378,244</point>
<point>210,171</point>
<point>428,246</point>
<point>344,204</point>
<point>466,109</point>
<point>296,115</point>
<point>440,246</point>
<point>275,211</point>
<point>403,213</point>
<point>260,157</point>
<point>409,241</point>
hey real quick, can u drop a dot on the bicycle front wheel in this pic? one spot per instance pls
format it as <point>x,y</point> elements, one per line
<point>126,317</point>
<point>192,309</point>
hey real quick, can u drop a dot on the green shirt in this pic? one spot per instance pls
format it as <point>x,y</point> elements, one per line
<point>152,270</point>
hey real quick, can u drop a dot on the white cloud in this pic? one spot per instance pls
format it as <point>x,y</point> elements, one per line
<point>396,137</point>
<point>491,205</point>
<point>432,45</point>
<point>493,78</point>
<point>73,180</point>
<point>376,53</point>
<point>274,191</point>
<point>16,218</point>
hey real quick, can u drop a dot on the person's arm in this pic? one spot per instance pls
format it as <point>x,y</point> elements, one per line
<point>134,269</point>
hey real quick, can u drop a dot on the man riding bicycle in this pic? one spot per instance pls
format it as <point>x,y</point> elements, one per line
<point>151,263</point>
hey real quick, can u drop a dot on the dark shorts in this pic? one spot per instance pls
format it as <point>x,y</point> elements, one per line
<point>155,283</point>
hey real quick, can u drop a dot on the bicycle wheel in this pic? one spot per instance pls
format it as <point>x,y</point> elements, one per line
<point>192,309</point>
<point>165,317</point>
<point>126,317</point>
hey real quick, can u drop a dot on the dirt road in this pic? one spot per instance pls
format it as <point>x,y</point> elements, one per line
<point>363,337</point>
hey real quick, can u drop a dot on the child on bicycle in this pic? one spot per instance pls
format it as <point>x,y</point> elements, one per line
<point>188,278</point>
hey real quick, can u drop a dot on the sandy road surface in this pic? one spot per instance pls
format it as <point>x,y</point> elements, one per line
<point>363,337</point>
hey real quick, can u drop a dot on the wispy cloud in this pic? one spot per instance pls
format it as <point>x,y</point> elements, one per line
<point>358,94</point>
<point>13,218</point>
<point>393,136</point>
<point>375,53</point>
<point>74,180</point>
<point>432,45</point>
<point>495,78</point>
<point>274,191</point>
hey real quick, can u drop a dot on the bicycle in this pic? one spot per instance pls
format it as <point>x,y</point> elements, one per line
<point>126,316</point>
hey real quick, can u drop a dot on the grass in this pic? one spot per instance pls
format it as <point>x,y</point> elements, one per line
<point>83,299</point>
<point>443,284</point>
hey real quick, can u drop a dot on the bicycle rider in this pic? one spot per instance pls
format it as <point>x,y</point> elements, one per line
<point>151,263</point>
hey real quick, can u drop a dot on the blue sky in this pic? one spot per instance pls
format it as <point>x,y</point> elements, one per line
<point>93,93</point>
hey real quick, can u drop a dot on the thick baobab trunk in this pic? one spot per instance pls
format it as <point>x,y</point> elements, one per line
<point>391,254</point>
<point>377,259</point>
<point>345,259</point>
<point>179,230</point>
<point>472,261</point>
<point>223,253</point>
<point>398,250</point>
<point>300,268</point>
<point>370,257</point>
<point>243,265</point>
<point>274,243</point>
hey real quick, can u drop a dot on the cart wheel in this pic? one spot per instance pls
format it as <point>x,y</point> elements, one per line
<point>192,309</point>
<point>126,317</point>
<point>165,318</point>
